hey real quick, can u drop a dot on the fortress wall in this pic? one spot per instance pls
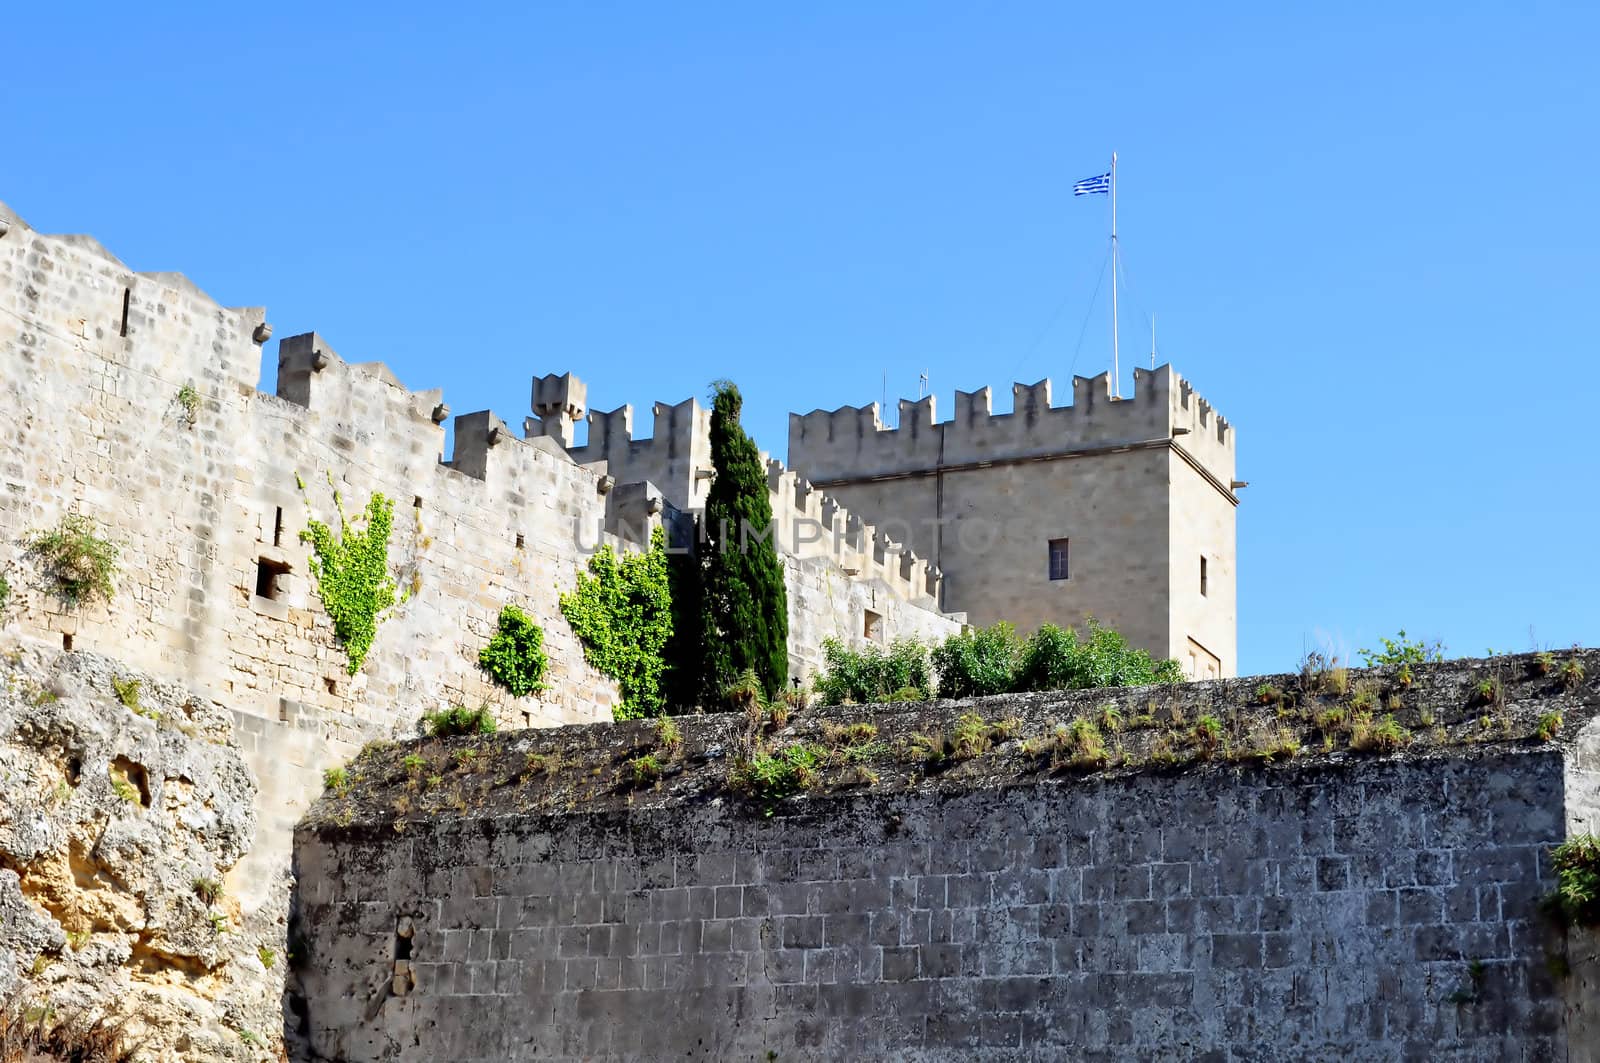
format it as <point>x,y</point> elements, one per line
<point>96,427</point>
<point>1202,628</point>
<point>1340,906</point>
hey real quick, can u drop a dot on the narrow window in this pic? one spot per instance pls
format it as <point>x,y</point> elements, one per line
<point>416,501</point>
<point>332,685</point>
<point>270,583</point>
<point>127,294</point>
<point>871,624</point>
<point>1058,559</point>
<point>520,541</point>
<point>66,643</point>
<point>1202,574</point>
<point>277,527</point>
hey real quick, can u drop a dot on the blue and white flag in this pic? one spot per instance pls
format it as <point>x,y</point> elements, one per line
<point>1089,186</point>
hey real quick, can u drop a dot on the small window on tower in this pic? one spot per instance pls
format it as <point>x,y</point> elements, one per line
<point>1058,559</point>
<point>1202,575</point>
<point>271,581</point>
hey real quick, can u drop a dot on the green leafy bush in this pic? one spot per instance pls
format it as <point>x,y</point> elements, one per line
<point>352,574</point>
<point>621,610</point>
<point>1403,651</point>
<point>456,720</point>
<point>1054,659</point>
<point>79,560</point>
<point>5,593</point>
<point>768,778</point>
<point>515,656</point>
<point>1577,866</point>
<point>871,674</point>
<point>978,662</point>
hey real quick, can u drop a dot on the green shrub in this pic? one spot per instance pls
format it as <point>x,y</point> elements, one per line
<point>457,720</point>
<point>871,674</point>
<point>1577,866</point>
<point>768,778</point>
<point>978,662</point>
<point>1384,736</point>
<point>5,593</point>
<point>80,562</point>
<point>621,610</point>
<point>668,735</point>
<point>336,780</point>
<point>515,656</point>
<point>189,402</point>
<point>209,890</point>
<point>1403,651</point>
<point>970,736</point>
<point>646,769</point>
<point>351,573</point>
<point>1080,746</point>
<point>1056,659</point>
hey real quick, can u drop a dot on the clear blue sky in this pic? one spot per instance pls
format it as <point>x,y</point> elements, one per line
<point>1371,239</point>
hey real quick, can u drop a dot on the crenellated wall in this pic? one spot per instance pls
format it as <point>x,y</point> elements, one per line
<point>94,358</point>
<point>1139,488</point>
<point>846,578</point>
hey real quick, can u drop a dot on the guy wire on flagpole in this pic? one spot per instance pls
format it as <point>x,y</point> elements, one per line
<point>1116,362</point>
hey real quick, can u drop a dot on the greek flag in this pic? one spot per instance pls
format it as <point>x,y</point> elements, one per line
<point>1089,186</point>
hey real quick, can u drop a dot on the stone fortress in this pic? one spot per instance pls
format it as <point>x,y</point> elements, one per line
<point>1118,508</point>
<point>1240,869</point>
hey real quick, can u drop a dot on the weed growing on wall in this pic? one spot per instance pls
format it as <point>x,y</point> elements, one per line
<point>352,573</point>
<point>515,656</point>
<point>5,594</point>
<point>1577,867</point>
<point>621,610</point>
<point>458,720</point>
<point>79,561</point>
<point>189,402</point>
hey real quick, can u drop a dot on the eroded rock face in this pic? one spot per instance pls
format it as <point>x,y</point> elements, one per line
<point>124,802</point>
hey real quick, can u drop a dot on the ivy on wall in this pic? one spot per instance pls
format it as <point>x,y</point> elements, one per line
<point>621,610</point>
<point>515,656</point>
<point>352,573</point>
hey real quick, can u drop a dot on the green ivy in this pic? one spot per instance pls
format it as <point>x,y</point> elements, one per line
<point>352,574</point>
<point>621,610</point>
<point>515,655</point>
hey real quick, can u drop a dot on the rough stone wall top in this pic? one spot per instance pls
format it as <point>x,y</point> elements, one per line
<point>1193,896</point>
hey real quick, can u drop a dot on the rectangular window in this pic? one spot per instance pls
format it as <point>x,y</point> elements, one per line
<point>871,625</point>
<point>270,581</point>
<point>1058,559</point>
<point>1202,575</point>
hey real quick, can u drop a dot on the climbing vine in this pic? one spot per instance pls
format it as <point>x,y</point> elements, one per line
<point>352,573</point>
<point>515,656</point>
<point>621,610</point>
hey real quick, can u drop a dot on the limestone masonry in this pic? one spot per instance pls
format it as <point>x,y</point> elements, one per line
<point>534,900</point>
<point>207,506</point>
<point>1119,508</point>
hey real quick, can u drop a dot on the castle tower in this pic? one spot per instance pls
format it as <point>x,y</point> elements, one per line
<point>1122,509</point>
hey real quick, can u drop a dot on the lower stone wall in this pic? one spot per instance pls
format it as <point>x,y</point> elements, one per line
<point>1342,909</point>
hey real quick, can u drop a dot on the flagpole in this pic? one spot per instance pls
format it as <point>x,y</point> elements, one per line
<point>1116,367</point>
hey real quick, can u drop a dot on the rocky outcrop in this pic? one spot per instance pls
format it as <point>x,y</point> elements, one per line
<point>124,803</point>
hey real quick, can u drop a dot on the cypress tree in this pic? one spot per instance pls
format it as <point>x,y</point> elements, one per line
<point>744,603</point>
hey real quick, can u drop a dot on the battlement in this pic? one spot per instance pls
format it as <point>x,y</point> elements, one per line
<point>853,443</point>
<point>676,456</point>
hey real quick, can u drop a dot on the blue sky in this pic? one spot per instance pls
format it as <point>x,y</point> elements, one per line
<point>1370,238</point>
